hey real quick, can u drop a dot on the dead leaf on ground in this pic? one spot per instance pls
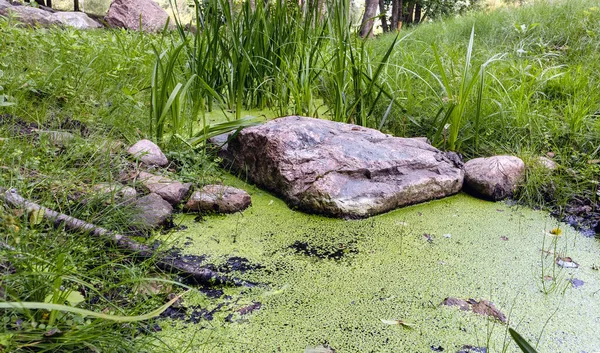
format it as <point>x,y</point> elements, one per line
<point>319,349</point>
<point>398,322</point>
<point>461,303</point>
<point>566,262</point>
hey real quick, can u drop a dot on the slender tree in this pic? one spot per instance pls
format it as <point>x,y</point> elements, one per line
<point>409,14</point>
<point>383,16</point>
<point>366,28</point>
<point>418,10</point>
<point>397,14</point>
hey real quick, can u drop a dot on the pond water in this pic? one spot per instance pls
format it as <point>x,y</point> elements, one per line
<point>330,282</point>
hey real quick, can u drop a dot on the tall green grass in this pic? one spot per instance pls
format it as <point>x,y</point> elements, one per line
<point>528,87</point>
<point>537,97</point>
<point>282,56</point>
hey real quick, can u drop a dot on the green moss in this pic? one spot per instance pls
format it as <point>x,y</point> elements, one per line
<point>393,271</point>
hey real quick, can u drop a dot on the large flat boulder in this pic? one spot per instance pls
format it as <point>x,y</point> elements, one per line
<point>341,170</point>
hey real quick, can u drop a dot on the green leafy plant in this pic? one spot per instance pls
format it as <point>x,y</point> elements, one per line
<point>452,121</point>
<point>168,96</point>
<point>521,342</point>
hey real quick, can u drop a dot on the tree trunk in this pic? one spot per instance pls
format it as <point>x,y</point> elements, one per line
<point>410,11</point>
<point>395,12</point>
<point>418,10</point>
<point>383,14</point>
<point>400,14</point>
<point>366,28</point>
<point>76,5</point>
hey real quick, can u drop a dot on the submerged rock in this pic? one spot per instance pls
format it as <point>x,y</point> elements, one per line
<point>129,13</point>
<point>153,212</point>
<point>494,177</point>
<point>171,191</point>
<point>487,308</point>
<point>218,198</point>
<point>149,153</point>
<point>339,169</point>
<point>482,307</point>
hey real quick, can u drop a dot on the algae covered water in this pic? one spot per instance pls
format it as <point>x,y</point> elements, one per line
<point>329,283</point>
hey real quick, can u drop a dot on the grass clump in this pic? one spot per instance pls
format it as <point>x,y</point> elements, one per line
<point>72,102</point>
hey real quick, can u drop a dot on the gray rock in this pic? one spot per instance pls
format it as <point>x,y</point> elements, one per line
<point>100,7</point>
<point>127,13</point>
<point>149,153</point>
<point>116,192</point>
<point>41,17</point>
<point>422,139</point>
<point>171,191</point>
<point>28,15</point>
<point>152,212</point>
<point>494,177</point>
<point>341,170</point>
<point>77,20</point>
<point>218,198</point>
<point>546,163</point>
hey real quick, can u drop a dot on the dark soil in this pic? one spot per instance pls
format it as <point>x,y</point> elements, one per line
<point>238,264</point>
<point>232,264</point>
<point>336,252</point>
<point>195,316</point>
<point>16,126</point>
<point>20,127</point>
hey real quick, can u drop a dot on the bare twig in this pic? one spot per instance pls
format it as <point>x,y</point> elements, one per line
<point>170,263</point>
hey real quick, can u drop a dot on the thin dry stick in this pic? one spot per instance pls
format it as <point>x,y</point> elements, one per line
<point>165,262</point>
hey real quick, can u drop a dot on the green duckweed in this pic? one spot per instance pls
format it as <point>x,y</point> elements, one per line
<point>396,266</point>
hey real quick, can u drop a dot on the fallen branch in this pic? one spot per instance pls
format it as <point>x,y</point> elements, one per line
<point>191,271</point>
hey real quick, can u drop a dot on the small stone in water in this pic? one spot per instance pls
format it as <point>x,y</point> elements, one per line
<point>577,283</point>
